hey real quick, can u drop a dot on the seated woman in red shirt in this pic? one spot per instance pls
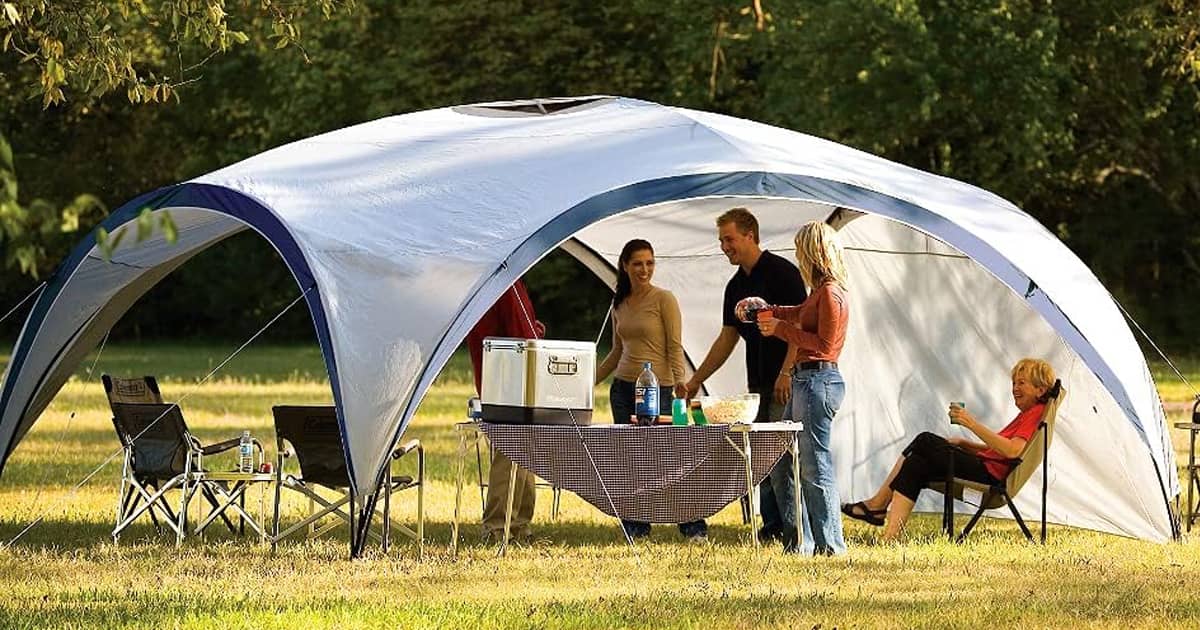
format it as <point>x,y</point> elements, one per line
<point>927,457</point>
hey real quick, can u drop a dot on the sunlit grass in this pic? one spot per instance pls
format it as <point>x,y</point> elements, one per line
<point>1179,387</point>
<point>66,571</point>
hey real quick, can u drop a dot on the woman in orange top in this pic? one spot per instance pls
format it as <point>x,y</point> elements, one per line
<point>929,455</point>
<point>818,329</point>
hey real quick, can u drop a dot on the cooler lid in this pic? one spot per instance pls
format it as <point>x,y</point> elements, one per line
<point>503,343</point>
<point>560,344</point>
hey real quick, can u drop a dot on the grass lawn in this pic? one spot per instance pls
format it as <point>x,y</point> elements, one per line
<point>66,572</point>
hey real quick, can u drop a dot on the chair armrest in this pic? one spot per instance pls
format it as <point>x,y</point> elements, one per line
<point>406,448</point>
<point>220,447</point>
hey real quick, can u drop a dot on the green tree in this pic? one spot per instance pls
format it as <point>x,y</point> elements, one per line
<point>84,51</point>
<point>28,230</point>
<point>1081,113</point>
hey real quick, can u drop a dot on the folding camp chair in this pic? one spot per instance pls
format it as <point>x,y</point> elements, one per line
<point>161,455</point>
<point>1000,494</point>
<point>312,436</point>
<point>155,460</point>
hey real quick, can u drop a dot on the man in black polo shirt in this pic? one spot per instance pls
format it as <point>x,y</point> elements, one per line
<point>768,360</point>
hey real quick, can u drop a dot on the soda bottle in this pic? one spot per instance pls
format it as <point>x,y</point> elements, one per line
<point>645,396</point>
<point>246,453</point>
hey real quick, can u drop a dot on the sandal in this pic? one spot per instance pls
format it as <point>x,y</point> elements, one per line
<point>861,512</point>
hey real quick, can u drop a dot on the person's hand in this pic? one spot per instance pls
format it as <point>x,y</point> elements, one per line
<point>681,391</point>
<point>783,388</point>
<point>767,327</point>
<point>690,389</point>
<point>960,416</point>
<point>539,329</point>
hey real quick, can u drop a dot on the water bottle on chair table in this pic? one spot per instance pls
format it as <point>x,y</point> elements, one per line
<point>246,453</point>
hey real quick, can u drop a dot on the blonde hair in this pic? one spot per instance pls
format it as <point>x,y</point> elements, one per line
<point>1041,375</point>
<point>819,254</point>
<point>1036,371</point>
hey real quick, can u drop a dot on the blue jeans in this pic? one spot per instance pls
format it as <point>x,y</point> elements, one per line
<point>816,397</point>
<point>620,398</point>
<point>777,493</point>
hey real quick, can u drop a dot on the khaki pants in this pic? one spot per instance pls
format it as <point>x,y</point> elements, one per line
<point>497,496</point>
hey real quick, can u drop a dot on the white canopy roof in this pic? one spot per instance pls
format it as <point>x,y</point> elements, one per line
<point>403,231</point>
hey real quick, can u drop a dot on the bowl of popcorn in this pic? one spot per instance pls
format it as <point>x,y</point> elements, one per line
<point>737,408</point>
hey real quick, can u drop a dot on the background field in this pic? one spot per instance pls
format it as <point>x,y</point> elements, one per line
<point>66,572</point>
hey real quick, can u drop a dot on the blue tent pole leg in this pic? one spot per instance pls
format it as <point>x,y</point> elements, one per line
<point>360,530</point>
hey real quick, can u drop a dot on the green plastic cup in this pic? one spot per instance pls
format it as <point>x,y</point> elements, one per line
<point>679,412</point>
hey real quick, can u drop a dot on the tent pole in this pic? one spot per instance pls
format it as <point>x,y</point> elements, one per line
<point>1045,475</point>
<point>353,530</point>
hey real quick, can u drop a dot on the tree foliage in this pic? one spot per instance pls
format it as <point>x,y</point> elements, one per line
<point>1084,114</point>
<point>29,232</point>
<point>148,50</point>
<point>86,50</point>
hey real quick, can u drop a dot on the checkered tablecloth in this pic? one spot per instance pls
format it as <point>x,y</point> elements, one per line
<point>658,474</point>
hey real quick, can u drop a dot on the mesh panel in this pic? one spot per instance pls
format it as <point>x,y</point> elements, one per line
<point>313,433</point>
<point>158,436</point>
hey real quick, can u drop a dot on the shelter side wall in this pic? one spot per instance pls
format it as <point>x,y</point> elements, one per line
<point>929,325</point>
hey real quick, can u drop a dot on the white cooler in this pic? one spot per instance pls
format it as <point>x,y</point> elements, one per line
<point>537,381</point>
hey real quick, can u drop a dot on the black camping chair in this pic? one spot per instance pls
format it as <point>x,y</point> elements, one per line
<point>160,454</point>
<point>1001,494</point>
<point>311,435</point>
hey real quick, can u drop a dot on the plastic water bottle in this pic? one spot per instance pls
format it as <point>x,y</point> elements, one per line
<point>645,396</point>
<point>246,453</point>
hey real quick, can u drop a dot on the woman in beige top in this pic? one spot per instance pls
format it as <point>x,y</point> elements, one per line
<point>646,329</point>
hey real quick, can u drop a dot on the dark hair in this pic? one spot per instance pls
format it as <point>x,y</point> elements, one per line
<point>742,218</point>
<point>624,285</point>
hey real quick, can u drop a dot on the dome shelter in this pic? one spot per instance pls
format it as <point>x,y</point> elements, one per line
<point>401,232</point>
